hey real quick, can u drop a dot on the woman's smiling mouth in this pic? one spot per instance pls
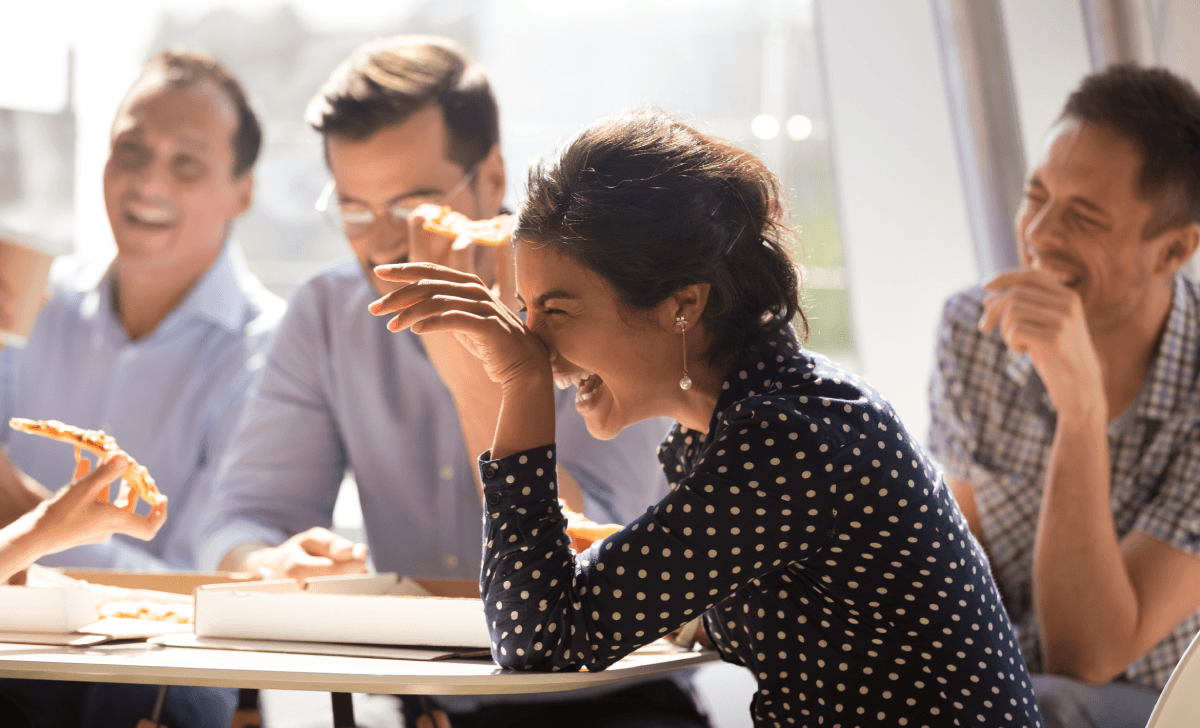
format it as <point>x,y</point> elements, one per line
<point>586,383</point>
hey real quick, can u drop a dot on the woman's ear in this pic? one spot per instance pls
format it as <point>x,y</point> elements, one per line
<point>688,302</point>
<point>1179,248</point>
<point>491,183</point>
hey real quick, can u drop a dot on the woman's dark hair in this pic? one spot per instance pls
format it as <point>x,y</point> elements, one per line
<point>652,205</point>
<point>386,81</point>
<point>187,69</point>
<point>1160,113</point>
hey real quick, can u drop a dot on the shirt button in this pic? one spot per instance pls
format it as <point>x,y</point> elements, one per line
<point>129,354</point>
<point>447,472</point>
<point>494,498</point>
<point>450,561</point>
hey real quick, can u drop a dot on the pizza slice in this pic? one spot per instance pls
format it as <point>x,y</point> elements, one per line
<point>441,219</point>
<point>100,443</point>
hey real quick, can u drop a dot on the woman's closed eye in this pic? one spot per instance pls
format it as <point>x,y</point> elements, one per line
<point>525,310</point>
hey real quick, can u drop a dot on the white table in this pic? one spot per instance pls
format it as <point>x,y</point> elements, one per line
<point>157,665</point>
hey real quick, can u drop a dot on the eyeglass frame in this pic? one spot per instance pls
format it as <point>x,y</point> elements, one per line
<point>322,204</point>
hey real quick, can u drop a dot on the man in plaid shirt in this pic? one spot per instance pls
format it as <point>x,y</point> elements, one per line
<point>1066,402</point>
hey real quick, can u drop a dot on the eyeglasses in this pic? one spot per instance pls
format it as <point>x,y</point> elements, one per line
<point>357,219</point>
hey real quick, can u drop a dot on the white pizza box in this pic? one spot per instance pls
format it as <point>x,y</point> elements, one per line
<point>55,608</point>
<point>381,609</point>
<point>59,608</point>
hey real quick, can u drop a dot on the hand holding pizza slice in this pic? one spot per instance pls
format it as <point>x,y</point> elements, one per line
<point>100,443</point>
<point>441,219</point>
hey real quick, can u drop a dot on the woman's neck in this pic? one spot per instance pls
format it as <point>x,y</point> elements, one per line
<point>693,407</point>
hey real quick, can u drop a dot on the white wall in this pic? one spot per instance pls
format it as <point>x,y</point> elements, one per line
<point>904,219</point>
<point>1047,46</point>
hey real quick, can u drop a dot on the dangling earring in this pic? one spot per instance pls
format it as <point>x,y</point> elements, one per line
<point>686,381</point>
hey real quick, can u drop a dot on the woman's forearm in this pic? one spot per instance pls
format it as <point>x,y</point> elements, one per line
<point>526,416</point>
<point>19,546</point>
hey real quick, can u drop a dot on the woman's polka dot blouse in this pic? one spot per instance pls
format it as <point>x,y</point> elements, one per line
<point>814,535</point>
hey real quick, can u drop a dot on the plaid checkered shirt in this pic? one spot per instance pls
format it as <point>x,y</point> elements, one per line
<point>993,426</point>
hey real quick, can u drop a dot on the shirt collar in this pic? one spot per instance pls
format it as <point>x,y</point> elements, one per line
<point>1175,364</point>
<point>759,370</point>
<point>219,296</point>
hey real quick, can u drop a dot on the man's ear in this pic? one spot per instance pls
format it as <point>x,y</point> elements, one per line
<point>688,302</point>
<point>491,183</point>
<point>243,194</point>
<point>1179,248</point>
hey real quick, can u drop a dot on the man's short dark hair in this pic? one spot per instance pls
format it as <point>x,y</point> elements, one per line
<point>185,69</point>
<point>386,81</point>
<point>1160,113</point>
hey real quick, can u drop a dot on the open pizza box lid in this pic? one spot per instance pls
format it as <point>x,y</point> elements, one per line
<point>382,609</point>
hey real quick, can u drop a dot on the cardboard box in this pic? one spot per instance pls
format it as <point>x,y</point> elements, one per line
<point>176,582</point>
<point>379,609</point>
<point>61,607</point>
<point>58,608</point>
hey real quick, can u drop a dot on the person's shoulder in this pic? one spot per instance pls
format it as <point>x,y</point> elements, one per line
<point>1190,288</point>
<point>332,285</point>
<point>264,309</point>
<point>319,307</point>
<point>76,274</point>
<point>811,396</point>
<point>964,308</point>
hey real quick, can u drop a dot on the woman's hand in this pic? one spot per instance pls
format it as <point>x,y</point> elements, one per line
<point>79,513</point>
<point>442,299</point>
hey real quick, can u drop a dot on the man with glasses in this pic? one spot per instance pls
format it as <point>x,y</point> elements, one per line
<point>405,121</point>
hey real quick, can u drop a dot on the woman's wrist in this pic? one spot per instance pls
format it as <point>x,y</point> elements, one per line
<point>21,544</point>
<point>526,415</point>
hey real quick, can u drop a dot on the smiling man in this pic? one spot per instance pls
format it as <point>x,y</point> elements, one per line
<point>156,346</point>
<point>405,121</point>
<point>1066,401</point>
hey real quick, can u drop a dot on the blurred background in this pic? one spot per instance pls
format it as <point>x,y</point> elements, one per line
<point>902,130</point>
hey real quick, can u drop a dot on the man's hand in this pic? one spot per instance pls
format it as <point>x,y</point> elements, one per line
<point>434,719</point>
<point>315,552</point>
<point>476,397</point>
<point>1039,315</point>
<point>7,299</point>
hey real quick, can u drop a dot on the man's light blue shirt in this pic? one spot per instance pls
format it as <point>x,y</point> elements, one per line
<point>340,392</point>
<point>171,398</point>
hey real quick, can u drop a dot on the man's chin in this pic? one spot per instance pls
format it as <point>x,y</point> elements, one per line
<point>381,286</point>
<point>143,243</point>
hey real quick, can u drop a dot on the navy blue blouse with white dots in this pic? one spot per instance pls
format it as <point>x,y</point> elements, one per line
<point>814,535</point>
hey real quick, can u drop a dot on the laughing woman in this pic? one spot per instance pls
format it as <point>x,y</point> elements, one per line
<point>805,524</point>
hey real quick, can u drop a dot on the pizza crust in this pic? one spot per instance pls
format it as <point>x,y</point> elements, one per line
<point>98,442</point>
<point>441,219</point>
<point>583,531</point>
